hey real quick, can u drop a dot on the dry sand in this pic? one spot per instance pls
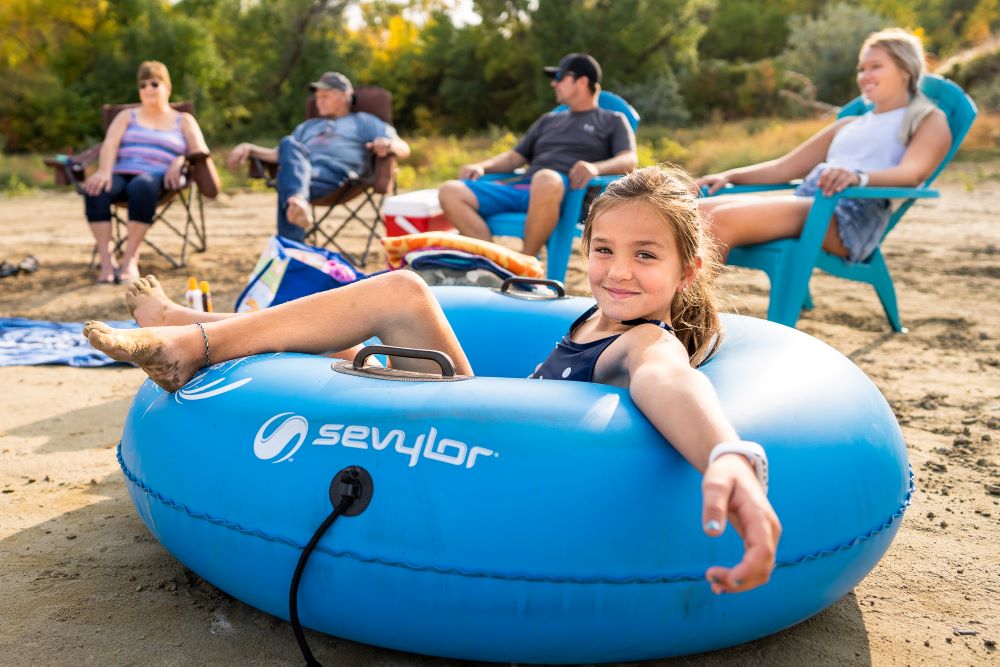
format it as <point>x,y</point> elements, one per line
<point>83,581</point>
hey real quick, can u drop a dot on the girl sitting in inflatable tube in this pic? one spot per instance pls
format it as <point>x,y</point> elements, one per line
<point>650,271</point>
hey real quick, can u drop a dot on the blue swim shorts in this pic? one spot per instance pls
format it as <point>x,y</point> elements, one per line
<point>496,197</point>
<point>861,222</point>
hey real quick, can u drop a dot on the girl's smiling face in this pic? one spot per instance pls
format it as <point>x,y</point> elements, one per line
<point>635,267</point>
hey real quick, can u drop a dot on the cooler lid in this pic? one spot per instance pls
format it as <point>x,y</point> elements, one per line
<point>416,204</point>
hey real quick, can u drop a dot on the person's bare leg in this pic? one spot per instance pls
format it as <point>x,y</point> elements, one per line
<point>102,237</point>
<point>461,208</point>
<point>299,212</point>
<point>130,258</point>
<point>547,189</point>
<point>745,221</point>
<point>151,307</point>
<point>333,320</point>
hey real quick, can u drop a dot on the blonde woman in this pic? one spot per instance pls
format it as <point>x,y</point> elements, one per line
<point>898,143</point>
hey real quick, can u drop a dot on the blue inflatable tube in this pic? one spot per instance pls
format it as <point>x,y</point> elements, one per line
<point>515,520</point>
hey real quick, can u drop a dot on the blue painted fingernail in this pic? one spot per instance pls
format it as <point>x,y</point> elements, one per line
<point>738,582</point>
<point>713,526</point>
<point>714,579</point>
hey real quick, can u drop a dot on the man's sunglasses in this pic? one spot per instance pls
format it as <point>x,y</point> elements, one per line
<point>562,73</point>
<point>151,82</point>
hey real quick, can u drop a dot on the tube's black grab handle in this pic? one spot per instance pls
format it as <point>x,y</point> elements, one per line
<point>442,359</point>
<point>557,286</point>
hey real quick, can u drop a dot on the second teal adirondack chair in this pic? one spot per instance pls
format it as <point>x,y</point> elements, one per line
<point>789,263</point>
<point>560,244</point>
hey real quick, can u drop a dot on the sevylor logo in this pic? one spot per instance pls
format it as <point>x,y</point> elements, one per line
<point>286,438</point>
<point>268,445</point>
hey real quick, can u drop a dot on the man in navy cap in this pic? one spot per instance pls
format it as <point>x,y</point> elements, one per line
<point>561,150</point>
<point>323,152</point>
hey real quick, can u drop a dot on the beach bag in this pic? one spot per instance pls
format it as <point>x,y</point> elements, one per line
<point>288,270</point>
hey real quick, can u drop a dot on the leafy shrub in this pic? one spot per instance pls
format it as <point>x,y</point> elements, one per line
<point>735,90</point>
<point>825,48</point>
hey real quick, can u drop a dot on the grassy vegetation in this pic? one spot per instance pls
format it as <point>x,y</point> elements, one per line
<point>704,149</point>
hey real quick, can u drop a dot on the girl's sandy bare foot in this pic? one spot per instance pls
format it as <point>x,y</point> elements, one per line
<point>298,212</point>
<point>149,304</point>
<point>158,351</point>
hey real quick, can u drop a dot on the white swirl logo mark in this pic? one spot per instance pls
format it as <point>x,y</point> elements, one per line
<point>293,428</point>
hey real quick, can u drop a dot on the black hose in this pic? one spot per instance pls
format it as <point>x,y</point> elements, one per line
<point>352,491</point>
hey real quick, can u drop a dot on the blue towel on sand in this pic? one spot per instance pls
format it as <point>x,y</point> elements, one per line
<point>25,342</point>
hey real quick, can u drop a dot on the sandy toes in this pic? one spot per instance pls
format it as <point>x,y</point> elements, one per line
<point>148,303</point>
<point>154,351</point>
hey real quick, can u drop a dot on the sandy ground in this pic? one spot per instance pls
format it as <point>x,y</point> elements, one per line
<point>82,580</point>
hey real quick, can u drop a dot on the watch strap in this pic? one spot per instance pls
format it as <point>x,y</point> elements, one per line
<point>753,452</point>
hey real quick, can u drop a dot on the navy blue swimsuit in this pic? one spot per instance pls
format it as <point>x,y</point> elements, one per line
<point>576,361</point>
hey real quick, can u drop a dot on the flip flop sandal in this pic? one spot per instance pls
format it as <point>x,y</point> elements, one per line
<point>8,269</point>
<point>29,264</point>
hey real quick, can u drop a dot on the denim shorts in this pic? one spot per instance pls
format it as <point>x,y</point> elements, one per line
<point>861,222</point>
<point>495,197</point>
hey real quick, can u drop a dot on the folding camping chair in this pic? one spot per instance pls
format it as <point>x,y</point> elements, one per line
<point>371,187</point>
<point>559,247</point>
<point>789,263</point>
<point>201,180</point>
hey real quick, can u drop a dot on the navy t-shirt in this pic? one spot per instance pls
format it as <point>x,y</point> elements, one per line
<point>558,140</point>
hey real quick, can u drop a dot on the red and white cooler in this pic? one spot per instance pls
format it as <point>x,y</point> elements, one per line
<point>413,213</point>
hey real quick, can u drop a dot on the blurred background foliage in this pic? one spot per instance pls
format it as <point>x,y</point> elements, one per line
<point>246,63</point>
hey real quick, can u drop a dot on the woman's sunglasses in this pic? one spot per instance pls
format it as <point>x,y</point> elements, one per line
<point>151,82</point>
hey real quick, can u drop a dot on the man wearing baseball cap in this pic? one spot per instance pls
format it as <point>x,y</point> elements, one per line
<point>561,150</point>
<point>323,152</point>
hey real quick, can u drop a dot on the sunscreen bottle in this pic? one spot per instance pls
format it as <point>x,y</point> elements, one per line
<point>192,297</point>
<point>206,296</point>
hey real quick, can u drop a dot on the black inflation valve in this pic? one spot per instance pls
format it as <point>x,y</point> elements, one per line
<point>352,482</point>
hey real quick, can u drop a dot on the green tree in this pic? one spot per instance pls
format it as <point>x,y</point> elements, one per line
<point>825,48</point>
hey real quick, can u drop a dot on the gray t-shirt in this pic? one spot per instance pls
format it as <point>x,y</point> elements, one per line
<point>340,142</point>
<point>558,140</point>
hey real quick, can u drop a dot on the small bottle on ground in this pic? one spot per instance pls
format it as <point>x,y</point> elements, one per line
<point>192,297</point>
<point>206,296</point>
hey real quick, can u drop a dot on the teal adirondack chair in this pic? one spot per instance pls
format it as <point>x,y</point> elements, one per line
<point>560,244</point>
<point>789,263</point>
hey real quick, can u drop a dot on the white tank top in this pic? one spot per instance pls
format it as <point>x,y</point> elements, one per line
<point>870,143</point>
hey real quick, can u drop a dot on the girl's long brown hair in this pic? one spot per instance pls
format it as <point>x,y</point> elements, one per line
<point>668,192</point>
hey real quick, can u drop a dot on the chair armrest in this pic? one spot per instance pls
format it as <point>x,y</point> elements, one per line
<point>258,168</point>
<point>730,189</point>
<point>201,169</point>
<point>71,169</point>
<point>872,192</point>
<point>384,174</point>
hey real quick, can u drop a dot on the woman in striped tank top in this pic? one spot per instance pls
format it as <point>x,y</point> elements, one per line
<point>143,153</point>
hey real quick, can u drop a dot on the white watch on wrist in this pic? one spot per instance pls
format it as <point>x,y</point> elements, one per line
<point>753,452</point>
<point>862,179</point>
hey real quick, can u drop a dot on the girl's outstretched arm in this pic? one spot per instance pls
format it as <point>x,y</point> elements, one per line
<point>682,405</point>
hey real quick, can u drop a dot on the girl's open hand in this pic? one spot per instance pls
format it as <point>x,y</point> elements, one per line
<point>730,489</point>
